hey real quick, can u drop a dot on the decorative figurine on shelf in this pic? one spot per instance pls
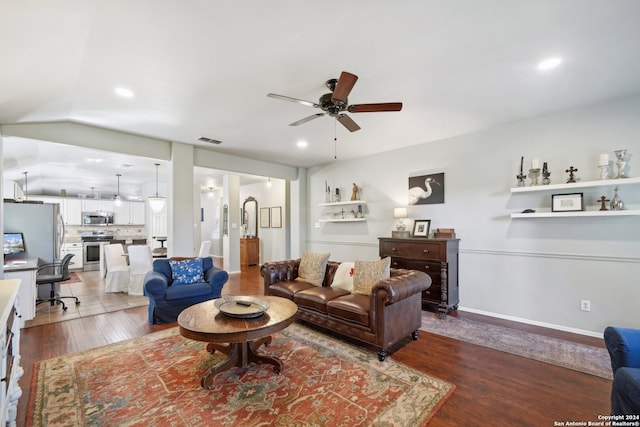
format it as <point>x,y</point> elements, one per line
<point>616,204</point>
<point>354,192</point>
<point>327,193</point>
<point>571,171</point>
<point>337,195</point>
<point>521,177</point>
<point>545,174</point>
<point>603,203</point>
<point>620,162</point>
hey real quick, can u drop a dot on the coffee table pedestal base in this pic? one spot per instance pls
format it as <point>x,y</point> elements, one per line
<point>239,355</point>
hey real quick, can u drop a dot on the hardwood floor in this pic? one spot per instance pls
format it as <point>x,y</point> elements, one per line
<point>493,388</point>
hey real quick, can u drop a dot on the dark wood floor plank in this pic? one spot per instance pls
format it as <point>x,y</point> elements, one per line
<point>493,388</point>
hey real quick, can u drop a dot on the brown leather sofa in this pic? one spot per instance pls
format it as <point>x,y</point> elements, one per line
<point>389,314</point>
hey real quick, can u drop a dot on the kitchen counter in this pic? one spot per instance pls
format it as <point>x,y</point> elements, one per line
<point>21,265</point>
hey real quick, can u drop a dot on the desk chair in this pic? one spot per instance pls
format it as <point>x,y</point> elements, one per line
<point>52,273</point>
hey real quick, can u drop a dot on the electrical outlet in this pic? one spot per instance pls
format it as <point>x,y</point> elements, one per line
<point>585,305</point>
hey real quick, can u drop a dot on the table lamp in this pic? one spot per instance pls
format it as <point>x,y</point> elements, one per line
<point>400,214</point>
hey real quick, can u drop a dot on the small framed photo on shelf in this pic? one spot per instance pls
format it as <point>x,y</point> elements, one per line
<point>571,202</point>
<point>421,228</point>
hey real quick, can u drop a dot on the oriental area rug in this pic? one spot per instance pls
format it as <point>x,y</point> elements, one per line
<point>579,357</point>
<point>155,380</point>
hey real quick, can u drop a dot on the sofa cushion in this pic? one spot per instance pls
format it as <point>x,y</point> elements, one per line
<point>192,291</point>
<point>368,273</point>
<point>312,267</point>
<point>316,297</point>
<point>187,272</point>
<point>343,278</point>
<point>352,308</point>
<point>288,289</point>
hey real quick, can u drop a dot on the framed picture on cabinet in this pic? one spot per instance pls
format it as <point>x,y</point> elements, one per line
<point>276,217</point>
<point>264,218</point>
<point>571,202</point>
<point>421,228</point>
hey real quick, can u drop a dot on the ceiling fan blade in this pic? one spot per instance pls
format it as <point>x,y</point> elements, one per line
<point>288,98</point>
<point>374,108</point>
<point>307,119</point>
<point>347,122</point>
<point>343,87</point>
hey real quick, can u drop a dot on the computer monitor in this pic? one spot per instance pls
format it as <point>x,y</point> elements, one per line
<point>13,243</point>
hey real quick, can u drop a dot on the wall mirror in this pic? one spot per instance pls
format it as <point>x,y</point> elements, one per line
<point>250,217</point>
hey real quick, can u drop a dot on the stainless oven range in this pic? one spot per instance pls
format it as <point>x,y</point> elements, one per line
<point>92,250</point>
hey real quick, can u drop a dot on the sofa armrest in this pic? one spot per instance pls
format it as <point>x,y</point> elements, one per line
<point>155,284</point>
<point>401,285</point>
<point>623,345</point>
<point>280,271</point>
<point>216,277</point>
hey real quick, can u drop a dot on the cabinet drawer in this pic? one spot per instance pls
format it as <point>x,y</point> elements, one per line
<point>418,250</point>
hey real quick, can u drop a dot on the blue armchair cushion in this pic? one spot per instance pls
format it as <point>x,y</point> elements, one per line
<point>186,272</point>
<point>623,345</point>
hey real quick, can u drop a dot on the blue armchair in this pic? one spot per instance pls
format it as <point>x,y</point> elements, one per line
<point>167,301</point>
<point>623,345</point>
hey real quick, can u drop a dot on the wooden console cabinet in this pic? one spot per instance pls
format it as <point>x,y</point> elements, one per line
<point>436,257</point>
<point>249,251</point>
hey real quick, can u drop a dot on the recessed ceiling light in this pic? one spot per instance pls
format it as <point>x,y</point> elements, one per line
<point>302,144</point>
<point>549,63</point>
<point>94,160</point>
<point>124,92</point>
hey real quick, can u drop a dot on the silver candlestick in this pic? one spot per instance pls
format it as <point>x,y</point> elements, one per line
<point>534,174</point>
<point>620,162</point>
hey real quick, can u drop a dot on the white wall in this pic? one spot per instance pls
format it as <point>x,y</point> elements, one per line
<point>536,270</point>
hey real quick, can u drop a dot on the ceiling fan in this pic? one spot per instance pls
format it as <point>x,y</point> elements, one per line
<point>335,103</point>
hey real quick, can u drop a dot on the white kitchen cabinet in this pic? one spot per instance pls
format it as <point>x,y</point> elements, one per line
<point>130,213</point>
<point>72,211</point>
<point>76,249</point>
<point>26,273</point>
<point>10,369</point>
<point>97,205</point>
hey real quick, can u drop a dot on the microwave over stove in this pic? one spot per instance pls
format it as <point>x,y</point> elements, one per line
<point>97,218</point>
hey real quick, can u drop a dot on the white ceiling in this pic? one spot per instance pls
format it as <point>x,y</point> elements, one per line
<point>203,68</point>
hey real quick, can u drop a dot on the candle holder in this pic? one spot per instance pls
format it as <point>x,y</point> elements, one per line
<point>604,171</point>
<point>534,174</point>
<point>546,180</point>
<point>620,162</point>
<point>521,179</point>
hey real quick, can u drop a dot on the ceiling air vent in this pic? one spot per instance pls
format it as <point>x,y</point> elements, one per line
<point>209,140</point>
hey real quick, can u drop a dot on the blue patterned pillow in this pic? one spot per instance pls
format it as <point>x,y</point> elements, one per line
<point>187,271</point>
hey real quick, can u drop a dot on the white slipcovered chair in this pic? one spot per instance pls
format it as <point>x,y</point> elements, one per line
<point>205,247</point>
<point>140,262</point>
<point>117,279</point>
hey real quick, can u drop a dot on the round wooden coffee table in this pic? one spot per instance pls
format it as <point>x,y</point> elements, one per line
<point>238,338</point>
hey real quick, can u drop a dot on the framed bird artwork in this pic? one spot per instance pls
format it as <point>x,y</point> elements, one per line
<point>426,189</point>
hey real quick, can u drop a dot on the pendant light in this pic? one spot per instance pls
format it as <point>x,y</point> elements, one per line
<point>117,199</point>
<point>157,202</point>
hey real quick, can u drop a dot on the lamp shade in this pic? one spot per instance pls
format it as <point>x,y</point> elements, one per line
<point>399,212</point>
<point>156,203</point>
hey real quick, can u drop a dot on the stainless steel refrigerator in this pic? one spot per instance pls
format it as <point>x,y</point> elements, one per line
<point>43,230</point>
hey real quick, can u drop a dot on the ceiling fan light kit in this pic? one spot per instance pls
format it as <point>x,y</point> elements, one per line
<point>336,103</point>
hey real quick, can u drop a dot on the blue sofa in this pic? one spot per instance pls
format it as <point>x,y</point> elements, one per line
<point>167,301</point>
<point>623,345</point>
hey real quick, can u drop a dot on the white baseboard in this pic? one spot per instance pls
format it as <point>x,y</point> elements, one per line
<point>534,322</point>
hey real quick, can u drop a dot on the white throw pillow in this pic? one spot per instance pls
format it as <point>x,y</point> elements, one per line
<point>343,277</point>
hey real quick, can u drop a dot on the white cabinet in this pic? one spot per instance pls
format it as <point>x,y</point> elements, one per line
<point>77,250</point>
<point>72,211</point>
<point>11,190</point>
<point>570,188</point>
<point>130,213</point>
<point>97,205</point>
<point>10,369</point>
<point>27,290</point>
<point>350,211</point>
